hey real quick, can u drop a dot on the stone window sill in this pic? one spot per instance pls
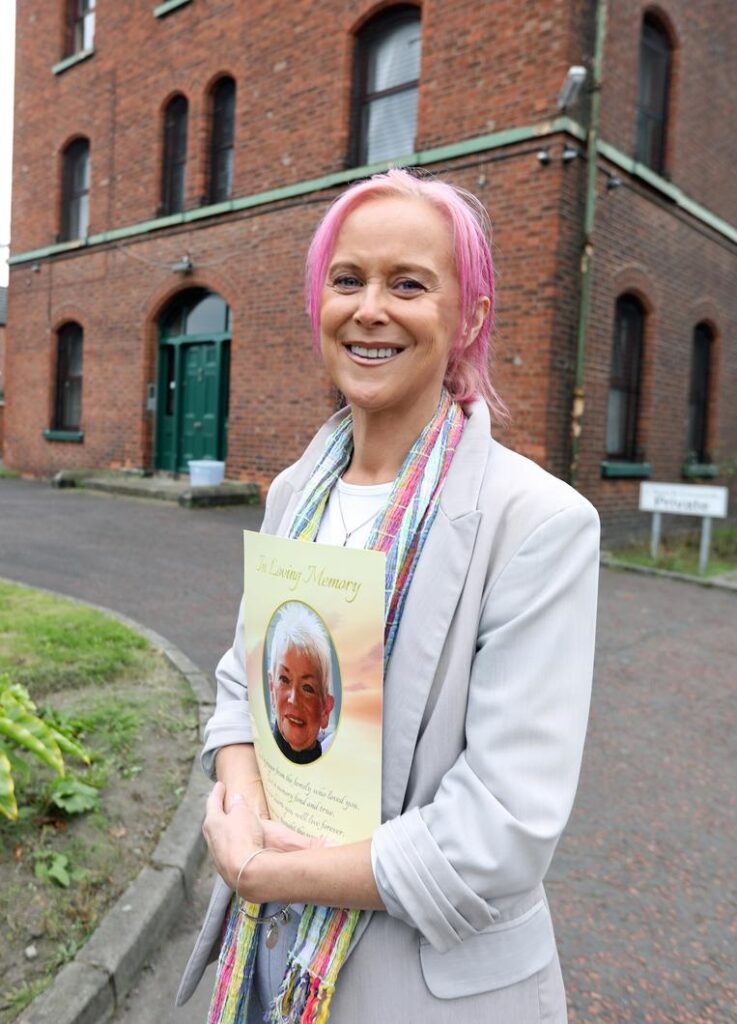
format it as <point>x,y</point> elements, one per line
<point>626,470</point>
<point>75,436</point>
<point>162,10</point>
<point>697,470</point>
<point>69,62</point>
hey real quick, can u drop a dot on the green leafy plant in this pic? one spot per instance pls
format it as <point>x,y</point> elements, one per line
<point>25,730</point>
<point>54,867</point>
<point>73,796</point>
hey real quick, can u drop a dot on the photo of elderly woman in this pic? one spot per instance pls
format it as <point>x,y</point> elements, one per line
<point>299,665</point>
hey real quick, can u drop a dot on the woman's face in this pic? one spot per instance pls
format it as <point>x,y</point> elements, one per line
<point>390,306</point>
<point>300,705</point>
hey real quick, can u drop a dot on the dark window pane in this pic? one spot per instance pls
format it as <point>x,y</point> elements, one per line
<point>624,385</point>
<point>386,90</point>
<point>75,190</point>
<point>223,132</point>
<point>68,404</point>
<point>652,99</point>
<point>616,421</point>
<point>175,156</point>
<point>195,311</point>
<point>207,317</point>
<point>698,404</point>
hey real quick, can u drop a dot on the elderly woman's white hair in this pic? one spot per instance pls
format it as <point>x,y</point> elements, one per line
<point>299,627</point>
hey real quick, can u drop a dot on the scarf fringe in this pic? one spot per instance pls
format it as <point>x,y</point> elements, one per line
<point>229,1003</point>
<point>307,989</point>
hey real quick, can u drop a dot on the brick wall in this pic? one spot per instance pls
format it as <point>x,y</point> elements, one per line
<point>701,144</point>
<point>682,277</point>
<point>279,394</point>
<point>485,68</point>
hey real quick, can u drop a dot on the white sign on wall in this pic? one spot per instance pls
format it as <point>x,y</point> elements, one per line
<point>684,500</point>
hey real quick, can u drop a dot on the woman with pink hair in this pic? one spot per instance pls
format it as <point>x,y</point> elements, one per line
<point>491,584</point>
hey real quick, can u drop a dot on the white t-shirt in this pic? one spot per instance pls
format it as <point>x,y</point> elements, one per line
<point>360,505</point>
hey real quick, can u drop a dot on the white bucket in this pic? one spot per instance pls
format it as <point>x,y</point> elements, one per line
<point>206,472</point>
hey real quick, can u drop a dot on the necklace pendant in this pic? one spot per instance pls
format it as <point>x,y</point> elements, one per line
<point>272,934</point>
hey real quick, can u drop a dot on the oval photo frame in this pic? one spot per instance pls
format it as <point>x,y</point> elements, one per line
<point>325,736</point>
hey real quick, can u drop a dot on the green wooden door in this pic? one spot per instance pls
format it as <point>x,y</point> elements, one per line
<point>200,393</point>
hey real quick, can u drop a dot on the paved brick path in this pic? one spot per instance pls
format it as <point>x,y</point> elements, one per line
<point>643,887</point>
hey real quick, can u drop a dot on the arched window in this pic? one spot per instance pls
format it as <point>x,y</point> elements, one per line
<point>387,76</point>
<point>75,190</point>
<point>221,141</point>
<point>652,96</point>
<point>698,398</point>
<point>68,394</point>
<point>175,156</point>
<point>80,26</point>
<point>624,382</point>
<point>195,311</point>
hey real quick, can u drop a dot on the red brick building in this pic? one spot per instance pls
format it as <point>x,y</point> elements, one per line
<point>171,162</point>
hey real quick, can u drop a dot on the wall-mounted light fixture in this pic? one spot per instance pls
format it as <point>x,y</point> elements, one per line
<point>572,83</point>
<point>613,181</point>
<point>184,265</point>
<point>543,155</point>
<point>569,153</point>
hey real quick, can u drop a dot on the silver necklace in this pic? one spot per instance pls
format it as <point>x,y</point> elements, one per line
<point>349,533</point>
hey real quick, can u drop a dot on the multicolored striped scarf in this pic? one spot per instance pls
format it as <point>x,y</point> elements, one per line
<point>399,531</point>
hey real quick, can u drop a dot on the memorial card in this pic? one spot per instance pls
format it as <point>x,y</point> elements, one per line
<point>314,641</point>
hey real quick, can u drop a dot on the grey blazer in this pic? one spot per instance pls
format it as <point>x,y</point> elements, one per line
<point>485,709</point>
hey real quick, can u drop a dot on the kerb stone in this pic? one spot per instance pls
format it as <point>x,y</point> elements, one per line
<point>80,994</point>
<point>133,930</point>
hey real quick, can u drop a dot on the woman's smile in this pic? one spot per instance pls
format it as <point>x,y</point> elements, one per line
<point>372,354</point>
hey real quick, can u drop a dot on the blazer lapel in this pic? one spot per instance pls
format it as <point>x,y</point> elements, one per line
<point>431,603</point>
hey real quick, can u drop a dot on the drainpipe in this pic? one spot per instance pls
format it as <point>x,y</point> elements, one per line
<point>587,253</point>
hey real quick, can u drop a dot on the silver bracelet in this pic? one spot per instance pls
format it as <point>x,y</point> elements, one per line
<point>273,920</point>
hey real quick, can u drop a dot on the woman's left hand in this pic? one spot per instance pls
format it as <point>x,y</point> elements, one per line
<point>231,836</point>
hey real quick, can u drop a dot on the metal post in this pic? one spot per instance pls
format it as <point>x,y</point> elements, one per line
<point>655,535</point>
<point>705,542</point>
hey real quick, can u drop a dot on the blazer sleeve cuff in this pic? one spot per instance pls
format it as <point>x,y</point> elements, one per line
<point>420,887</point>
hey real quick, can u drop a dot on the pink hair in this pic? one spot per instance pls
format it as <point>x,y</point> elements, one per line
<point>467,376</point>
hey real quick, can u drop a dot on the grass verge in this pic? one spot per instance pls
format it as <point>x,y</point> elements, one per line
<point>681,553</point>
<point>59,872</point>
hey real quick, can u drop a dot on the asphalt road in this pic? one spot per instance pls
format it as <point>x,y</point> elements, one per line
<point>643,886</point>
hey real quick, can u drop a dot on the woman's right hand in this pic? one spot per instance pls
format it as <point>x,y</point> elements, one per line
<point>237,768</point>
